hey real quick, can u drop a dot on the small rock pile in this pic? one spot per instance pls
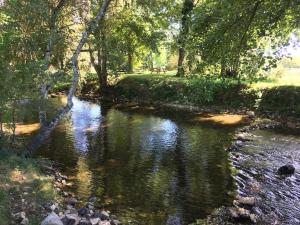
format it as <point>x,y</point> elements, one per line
<point>87,215</point>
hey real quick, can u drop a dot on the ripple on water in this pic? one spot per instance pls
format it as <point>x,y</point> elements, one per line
<point>146,169</point>
<point>279,197</point>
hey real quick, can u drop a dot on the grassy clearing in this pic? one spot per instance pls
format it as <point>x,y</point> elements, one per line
<point>23,188</point>
<point>279,77</point>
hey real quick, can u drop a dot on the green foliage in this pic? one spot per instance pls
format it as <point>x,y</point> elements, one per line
<point>196,91</point>
<point>230,37</point>
<point>16,175</point>
<point>284,99</point>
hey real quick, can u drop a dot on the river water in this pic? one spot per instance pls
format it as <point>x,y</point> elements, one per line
<point>146,168</point>
<point>278,197</point>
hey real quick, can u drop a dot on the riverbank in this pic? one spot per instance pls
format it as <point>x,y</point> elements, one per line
<point>34,192</point>
<point>24,189</point>
<point>260,155</point>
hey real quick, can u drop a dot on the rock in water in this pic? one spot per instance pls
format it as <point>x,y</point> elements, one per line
<point>52,219</point>
<point>249,201</point>
<point>242,214</point>
<point>287,169</point>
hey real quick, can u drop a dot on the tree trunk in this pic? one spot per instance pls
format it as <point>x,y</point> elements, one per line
<point>188,6</point>
<point>103,75</point>
<point>1,125</point>
<point>180,67</point>
<point>101,65</point>
<point>45,87</point>
<point>46,130</point>
<point>130,61</point>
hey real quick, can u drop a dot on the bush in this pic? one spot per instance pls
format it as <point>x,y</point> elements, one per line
<point>281,99</point>
<point>195,91</point>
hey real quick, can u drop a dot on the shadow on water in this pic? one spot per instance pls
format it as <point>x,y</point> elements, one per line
<point>149,169</point>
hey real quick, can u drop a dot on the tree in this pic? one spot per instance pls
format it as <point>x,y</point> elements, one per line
<point>230,37</point>
<point>187,8</point>
<point>46,130</point>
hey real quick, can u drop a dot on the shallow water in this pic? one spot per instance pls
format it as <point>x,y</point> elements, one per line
<point>258,161</point>
<point>149,169</point>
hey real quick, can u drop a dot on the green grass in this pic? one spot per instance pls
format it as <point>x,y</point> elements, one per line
<point>20,178</point>
<point>280,77</point>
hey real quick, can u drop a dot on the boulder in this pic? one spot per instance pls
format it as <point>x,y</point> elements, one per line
<point>93,199</point>
<point>84,222</point>
<point>250,114</point>
<point>104,215</point>
<point>71,201</point>
<point>52,219</point>
<point>240,200</point>
<point>70,219</point>
<point>287,169</point>
<point>94,221</point>
<point>83,212</point>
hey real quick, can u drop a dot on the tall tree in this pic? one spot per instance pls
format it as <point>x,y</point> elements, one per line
<point>187,8</point>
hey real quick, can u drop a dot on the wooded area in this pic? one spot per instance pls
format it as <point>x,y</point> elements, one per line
<point>188,53</point>
<point>226,39</point>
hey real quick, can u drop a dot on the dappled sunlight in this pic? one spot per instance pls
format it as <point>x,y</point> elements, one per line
<point>23,129</point>
<point>223,119</point>
<point>84,177</point>
<point>17,175</point>
<point>27,129</point>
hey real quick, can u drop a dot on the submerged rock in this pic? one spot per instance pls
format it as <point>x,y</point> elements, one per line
<point>52,219</point>
<point>248,201</point>
<point>287,169</point>
<point>240,214</point>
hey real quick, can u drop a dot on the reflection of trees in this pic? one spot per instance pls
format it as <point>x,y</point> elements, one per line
<point>147,168</point>
<point>59,146</point>
<point>180,185</point>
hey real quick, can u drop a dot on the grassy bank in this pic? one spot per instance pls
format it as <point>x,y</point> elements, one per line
<point>191,91</point>
<point>23,188</point>
<point>277,93</point>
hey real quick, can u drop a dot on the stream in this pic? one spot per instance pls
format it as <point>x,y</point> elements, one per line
<point>278,197</point>
<point>156,167</point>
<point>146,168</point>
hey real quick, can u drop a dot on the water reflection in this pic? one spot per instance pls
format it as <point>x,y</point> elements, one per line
<point>146,169</point>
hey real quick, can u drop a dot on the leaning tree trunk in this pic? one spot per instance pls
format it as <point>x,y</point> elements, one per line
<point>47,129</point>
<point>103,63</point>
<point>45,87</point>
<point>188,6</point>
